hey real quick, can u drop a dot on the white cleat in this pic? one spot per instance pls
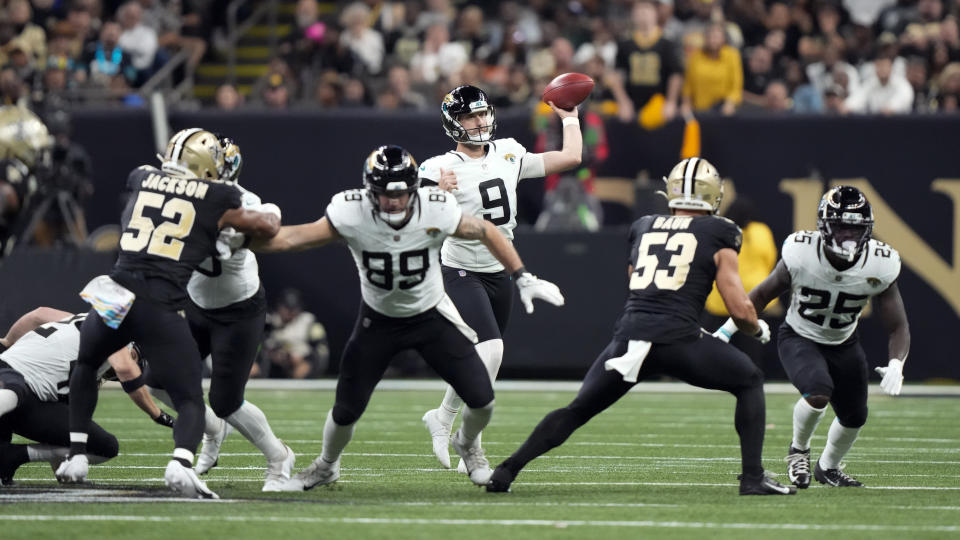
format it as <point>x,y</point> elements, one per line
<point>278,472</point>
<point>185,481</point>
<point>478,468</point>
<point>73,470</point>
<point>210,449</point>
<point>440,433</point>
<point>319,473</point>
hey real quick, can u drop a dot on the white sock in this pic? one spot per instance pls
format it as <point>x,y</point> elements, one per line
<point>212,424</point>
<point>252,423</point>
<point>335,438</point>
<point>491,354</point>
<point>839,441</point>
<point>805,421</point>
<point>46,452</point>
<point>474,420</point>
<point>8,400</point>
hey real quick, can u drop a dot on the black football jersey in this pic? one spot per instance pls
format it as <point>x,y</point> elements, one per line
<point>673,272</point>
<point>169,227</point>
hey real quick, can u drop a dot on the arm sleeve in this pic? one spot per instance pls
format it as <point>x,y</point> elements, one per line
<point>532,166</point>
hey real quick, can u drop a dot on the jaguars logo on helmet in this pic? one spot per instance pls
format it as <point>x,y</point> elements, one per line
<point>845,221</point>
<point>391,171</point>
<point>694,184</point>
<point>195,153</point>
<point>464,100</point>
<point>232,159</point>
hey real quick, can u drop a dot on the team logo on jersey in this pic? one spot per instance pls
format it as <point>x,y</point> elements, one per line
<point>511,158</point>
<point>874,282</point>
<point>433,232</point>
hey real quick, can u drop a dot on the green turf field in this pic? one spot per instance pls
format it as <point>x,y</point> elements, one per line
<point>661,465</point>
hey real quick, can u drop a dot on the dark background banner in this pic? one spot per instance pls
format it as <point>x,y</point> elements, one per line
<point>908,167</point>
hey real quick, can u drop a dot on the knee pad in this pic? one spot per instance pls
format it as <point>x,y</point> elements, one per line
<point>817,401</point>
<point>854,419</point>
<point>343,415</point>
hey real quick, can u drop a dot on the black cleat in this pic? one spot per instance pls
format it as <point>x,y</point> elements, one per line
<point>798,467</point>
<point>8,465</point>
<point>500,480</point>
<point>835,477</point>
<point>763,485</point>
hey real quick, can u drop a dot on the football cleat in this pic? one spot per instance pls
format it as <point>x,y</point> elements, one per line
<point>834,477</point>
<point>278,472</point>
<point>798,467</point>
<point>440,433</point>
<point>462,467</point>
<point>319,473</point>
<point>73,470</point>
<point>210,449</point>
<point>478,468</point>
<point>761,484</point>
<point>500,480</point>
<point>185,481</point>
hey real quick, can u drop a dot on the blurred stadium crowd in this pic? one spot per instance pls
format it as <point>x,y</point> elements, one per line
<point>656,57</point>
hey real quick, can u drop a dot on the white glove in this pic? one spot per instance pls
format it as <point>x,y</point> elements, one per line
<point>73,470</point>
<point>228,242</point>
<point>530,287</point>
<point>269,208</point>
<point>763,336</point>
<point>892,375</point>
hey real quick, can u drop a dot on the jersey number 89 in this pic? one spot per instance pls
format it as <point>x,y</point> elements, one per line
<point>379,267</point>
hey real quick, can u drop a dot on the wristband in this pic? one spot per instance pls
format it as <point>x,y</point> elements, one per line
<point>729,328</point>
<point>571,121</point>
<point>519,272</point>
<point>133,384</point>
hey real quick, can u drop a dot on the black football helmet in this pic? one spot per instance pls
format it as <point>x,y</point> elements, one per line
<point>465,100</point>
<point>845,221</point>
<point>391,171</point>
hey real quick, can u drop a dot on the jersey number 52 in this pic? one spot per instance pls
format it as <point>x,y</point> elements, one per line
<point>648,269</point>
<point>162,240</point>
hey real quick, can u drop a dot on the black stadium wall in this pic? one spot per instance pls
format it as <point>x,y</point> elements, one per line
<point>907,166</point>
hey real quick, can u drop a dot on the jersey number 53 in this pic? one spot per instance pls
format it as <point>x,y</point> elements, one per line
<point>650,269</point>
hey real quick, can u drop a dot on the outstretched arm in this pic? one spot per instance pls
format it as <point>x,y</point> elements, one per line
<point>131,379</point>
<point>298,237</point>
<point>28,322</point>
<point>255,223</point>
<point>571,154</point>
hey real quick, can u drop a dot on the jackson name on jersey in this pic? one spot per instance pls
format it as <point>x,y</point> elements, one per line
<point>44,357</point>
<point>399,274</point>
<point>825,302</point>
<point>486,188</point>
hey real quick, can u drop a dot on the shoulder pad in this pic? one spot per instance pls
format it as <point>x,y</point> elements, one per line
<point>430,169</point>
<point>346,208</point>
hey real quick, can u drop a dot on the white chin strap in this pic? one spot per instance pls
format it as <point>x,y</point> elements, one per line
<point>847,249</point>
<point>393,219</point>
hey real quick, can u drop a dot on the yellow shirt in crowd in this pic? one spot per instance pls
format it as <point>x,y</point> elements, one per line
<point>758,256</point>
<point>709,81</point>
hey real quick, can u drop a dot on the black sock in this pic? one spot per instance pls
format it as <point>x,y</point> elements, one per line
<point>184,462</point>
<point>750,421</point>
<point>77,448</point>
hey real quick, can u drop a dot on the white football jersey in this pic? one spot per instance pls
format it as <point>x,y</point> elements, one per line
<point>826,303</point>
<point>399,269</point>
<point>487,189</point>
<point>44,356</point>
<point>219,283</point>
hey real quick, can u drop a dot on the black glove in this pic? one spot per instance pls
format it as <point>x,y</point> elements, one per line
<point>165,420</point>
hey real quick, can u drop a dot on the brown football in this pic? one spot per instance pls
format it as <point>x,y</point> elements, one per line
<point>568,90</point>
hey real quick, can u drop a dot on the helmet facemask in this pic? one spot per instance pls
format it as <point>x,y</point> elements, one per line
<point>391,172</point>
<point>457,105</point>
<point>845,222</point>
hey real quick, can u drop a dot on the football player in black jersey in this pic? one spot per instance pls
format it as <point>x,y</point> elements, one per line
<point>170,223</point>
<point>673,262</point>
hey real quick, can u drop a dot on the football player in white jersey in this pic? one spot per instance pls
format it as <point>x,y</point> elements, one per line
<point>832,273</point>
<point>34,387</point>
<point>483,173</point>
<point>227,313</point>
<point>394,229</point>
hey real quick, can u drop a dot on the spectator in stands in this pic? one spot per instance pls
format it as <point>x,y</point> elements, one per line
<point>916,73</point>
<point>438,58</point>
<point>436,12</point>
<point>884,94</point>
<point>354,94</point>
<point>823,74</point>
<point>328,91</point>
<point>300,46</point>
<point>365,42</point>
<point>949,89</point>
<point>85,29</point>
<point>137,39</point>
<point>32,37</point>
<point>714,76</point>
<point>472,33</point>
<point>650,69</point>
<point>601,44</point>
<point>168,19</point>
<point>20,59</point>
<point>398,78</point>
<point>228,98</point>
<point>806,99</point>
<point>276,93</point>
<point>296,344</point>
<point>104,64</point>
<point>387,99</point>
<point>776,98</point>
<point>12,89</point>
<point>759,74</point>
<point>834,100</point>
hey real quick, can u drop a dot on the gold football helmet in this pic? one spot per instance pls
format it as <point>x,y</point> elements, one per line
<point>24,137</point>
<point>694,184</point>
<point>194,152</point>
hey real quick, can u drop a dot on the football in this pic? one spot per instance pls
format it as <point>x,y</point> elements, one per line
<point>568,90</point>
